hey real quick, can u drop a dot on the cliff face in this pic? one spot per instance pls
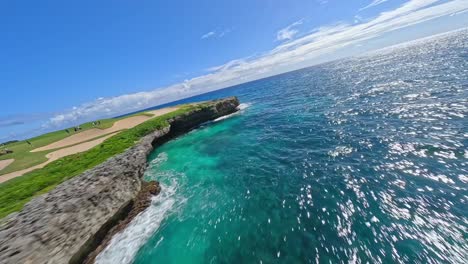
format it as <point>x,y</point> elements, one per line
<point>66,224</point>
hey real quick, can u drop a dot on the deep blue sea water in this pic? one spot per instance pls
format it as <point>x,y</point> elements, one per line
<point>362,160</point>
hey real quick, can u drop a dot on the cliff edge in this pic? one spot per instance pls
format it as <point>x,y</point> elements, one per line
<point>67,223</point>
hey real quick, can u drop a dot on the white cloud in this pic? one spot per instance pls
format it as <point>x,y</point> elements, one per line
<point>322,2</point>
<point>288,32</point>
<point>208,35</point>
<point>357,19</point>
<point>298,53</point>
<point>217,33</point>
<point>373,3</point>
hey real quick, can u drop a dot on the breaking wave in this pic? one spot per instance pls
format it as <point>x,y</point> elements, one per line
<point>241,108</point>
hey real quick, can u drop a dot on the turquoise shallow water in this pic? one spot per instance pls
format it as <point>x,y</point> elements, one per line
<point>354,161</point>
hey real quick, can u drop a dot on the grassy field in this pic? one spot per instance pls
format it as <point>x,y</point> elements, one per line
<point>25,159</point>
<point>18,191</point>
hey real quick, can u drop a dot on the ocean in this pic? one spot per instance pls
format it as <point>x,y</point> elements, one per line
<point>361,160</point>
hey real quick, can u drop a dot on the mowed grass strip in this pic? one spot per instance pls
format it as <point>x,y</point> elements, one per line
<point>18,191</point>
<point>25,159</point>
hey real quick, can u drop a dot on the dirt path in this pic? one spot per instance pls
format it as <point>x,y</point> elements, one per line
<point>95,132</point>
<point>55,155</point>
<point>5,163</point>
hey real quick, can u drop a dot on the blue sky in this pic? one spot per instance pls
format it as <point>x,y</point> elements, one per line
<point>67,62</point>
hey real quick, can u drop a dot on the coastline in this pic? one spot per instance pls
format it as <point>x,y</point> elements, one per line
<point>141,202</point>
<point>71,221</point>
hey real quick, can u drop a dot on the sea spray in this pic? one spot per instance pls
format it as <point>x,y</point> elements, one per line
<point>124,245</point>
<point>241,107</point>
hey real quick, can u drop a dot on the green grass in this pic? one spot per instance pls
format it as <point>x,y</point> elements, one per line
<point>25,159</point>
<point>18,191</point>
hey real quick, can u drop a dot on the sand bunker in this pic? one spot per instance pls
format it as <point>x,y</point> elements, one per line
<point>5,163</point>
<point>55,155</point>
<point>95,132</point>
<point>83,141</point>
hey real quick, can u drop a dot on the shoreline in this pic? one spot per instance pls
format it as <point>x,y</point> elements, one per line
<point>141,202</point>
<point>70,222</point>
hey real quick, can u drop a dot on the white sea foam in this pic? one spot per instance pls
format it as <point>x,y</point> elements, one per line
<point>161,158</point>
<point>340,151</point>
<point>125,245</point>
<point>244,106</point>
<point>241,107</point>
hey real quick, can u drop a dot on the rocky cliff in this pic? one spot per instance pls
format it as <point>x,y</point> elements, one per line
<point>69,222</point>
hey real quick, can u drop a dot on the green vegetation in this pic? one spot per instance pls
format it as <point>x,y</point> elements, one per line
<point>8,142</point>
<point>21,149</point>
<point>18,191</point>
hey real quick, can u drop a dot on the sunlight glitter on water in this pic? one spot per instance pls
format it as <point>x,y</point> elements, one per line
<point>360,160</point>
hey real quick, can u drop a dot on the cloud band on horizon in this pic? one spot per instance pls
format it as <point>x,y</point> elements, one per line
<point>300,52</point>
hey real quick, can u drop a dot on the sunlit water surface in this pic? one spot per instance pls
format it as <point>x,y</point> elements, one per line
<point>359,160</point>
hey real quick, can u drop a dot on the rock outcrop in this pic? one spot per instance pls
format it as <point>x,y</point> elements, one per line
<point>140,203</point>
<point>68,223</point>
